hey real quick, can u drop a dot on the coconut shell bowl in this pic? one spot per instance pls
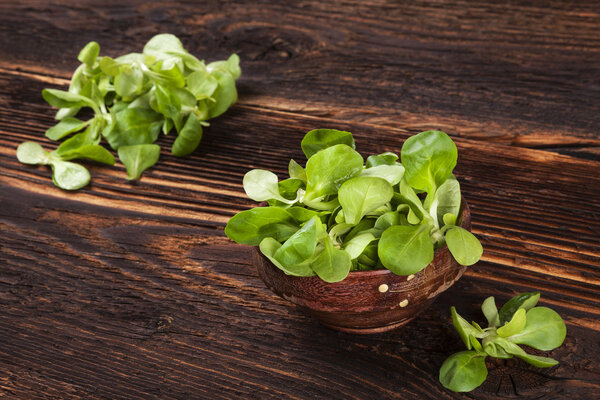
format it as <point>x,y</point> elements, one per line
<point>368,301</point>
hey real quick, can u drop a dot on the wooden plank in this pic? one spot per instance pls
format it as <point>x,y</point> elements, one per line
<point>520,74</point>
<point>132,290</point>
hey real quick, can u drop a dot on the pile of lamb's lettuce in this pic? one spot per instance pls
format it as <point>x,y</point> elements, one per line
<point>518,322</point>
<point>339,213</point>
<point>132,99</point>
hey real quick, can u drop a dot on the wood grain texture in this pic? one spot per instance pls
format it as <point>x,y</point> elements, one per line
<point>524,74</point>
<point>131,290</point>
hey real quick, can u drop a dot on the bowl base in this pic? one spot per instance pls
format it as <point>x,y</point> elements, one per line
<point>367,331</point>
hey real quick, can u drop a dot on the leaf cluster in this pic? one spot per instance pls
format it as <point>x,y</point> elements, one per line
<point>133,98</point>
<point>519,321</point>
<point>340,213</point>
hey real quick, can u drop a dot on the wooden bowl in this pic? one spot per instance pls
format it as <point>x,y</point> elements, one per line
<point>368,301</point>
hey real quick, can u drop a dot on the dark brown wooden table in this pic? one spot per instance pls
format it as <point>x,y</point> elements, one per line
<point>131,290</point>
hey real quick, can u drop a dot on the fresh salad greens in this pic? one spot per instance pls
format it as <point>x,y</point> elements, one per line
<point>340,214</point>
<point>133,98</point>
<point>519,321</point>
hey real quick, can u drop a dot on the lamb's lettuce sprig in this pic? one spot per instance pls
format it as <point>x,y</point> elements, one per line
<point>518,322</point>
<point>133,98</point>
<point>340,213</point>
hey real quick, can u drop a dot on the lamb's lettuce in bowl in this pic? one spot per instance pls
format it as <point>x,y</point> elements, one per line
<point>342,213</point>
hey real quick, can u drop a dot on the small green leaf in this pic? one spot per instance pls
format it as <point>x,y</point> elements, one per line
<point>302,215</point>
<point>448,200</point>
<point>320,139</point>
<point>131,58</point>
<point>69,176</point>
<point>230,66</point>
<point>138,158</point>
<point>134,126</point>
<point>477,326</point>
<point>167,126</point>
<point>62,99</point>
<point>369,257</point>
<point>233,65</point>
<point>464,329</point>
<point>301,245</point>
<point>288,188</point>
<point>463,371</point>
<point>66,112</point>
<point>91,91</point>
<point>296,171</point>
<point>449,219</point>
<point>32,153</point>
<point>358,244</point>
<point>163,43</point>
<point>269,246</point>
<point>360,195</point>
<point>463,245</point>
<point>189,138</point>
<point>405,250</point>
<point>332,264</point>
<point>544,329</point>
<point>170,76</point>
<point>129,82</point>
<point>252,226</point>
<point>408,196</point>
<point>492,348</point>
<point>537,361</point>
<point>68,149</point>
<point>225,94</point>
<point>381,159</point>
<point>262,185</point>
<point>328,169</point>
<point>79,78</point>
<point>92,152</point>
<point>429,159</point>
<point>109,66</point>
<point>516,324</point>
<point>185,99</point>
<point>524,300</point>
<point>391,173</point>
<point>386,220</point>
<point>338,230</point>
<point>166,102</point>
<point>490,311</point>
<point>89,53</point>
<point>65,127</point>
<point>475,344</point>
<point>201,84</point>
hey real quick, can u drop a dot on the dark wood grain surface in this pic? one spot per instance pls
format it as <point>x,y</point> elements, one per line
<point>131,290</point>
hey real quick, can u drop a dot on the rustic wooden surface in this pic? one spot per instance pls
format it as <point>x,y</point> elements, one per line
<point>131,290</point>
